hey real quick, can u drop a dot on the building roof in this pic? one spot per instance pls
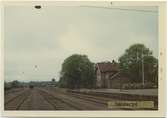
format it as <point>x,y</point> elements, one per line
<point>108,66</point>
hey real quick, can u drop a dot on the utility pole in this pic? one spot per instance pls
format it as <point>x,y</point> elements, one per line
<point>142,69</point>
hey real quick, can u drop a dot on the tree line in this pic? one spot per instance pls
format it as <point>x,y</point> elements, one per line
<point>79,72</point>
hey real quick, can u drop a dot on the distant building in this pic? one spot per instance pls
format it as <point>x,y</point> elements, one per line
<point>108,75</point>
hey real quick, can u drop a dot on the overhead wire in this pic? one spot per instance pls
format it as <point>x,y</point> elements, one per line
<point>124,9</point>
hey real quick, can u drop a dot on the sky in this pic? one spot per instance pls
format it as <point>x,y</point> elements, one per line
<point>38,40</point>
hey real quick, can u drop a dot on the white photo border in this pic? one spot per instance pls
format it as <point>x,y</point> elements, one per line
<point>161,56</point>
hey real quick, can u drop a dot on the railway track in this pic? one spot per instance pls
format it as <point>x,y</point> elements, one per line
<point>55,99</point>
<point>13,91</point>
<point>99,99</point>
<point>56,102</point>
<point>16,102</point>
<point>36,102</point>
<point>104,100</point>
<point>8,97</point>
<point>96,99</point>
<point>78,102</point>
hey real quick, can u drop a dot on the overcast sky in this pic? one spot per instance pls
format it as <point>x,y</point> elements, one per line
<point>47,36</point>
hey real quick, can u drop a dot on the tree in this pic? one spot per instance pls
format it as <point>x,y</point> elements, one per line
<point>15,84</point>
<point>53,80</point>
<point>77,72</point>
<point>131,63</point>
<point>151,69</point>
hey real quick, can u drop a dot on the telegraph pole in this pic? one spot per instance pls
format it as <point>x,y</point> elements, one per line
<point>142,69</point>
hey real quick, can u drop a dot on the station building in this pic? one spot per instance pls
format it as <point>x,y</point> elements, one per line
<point>108,75</point>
